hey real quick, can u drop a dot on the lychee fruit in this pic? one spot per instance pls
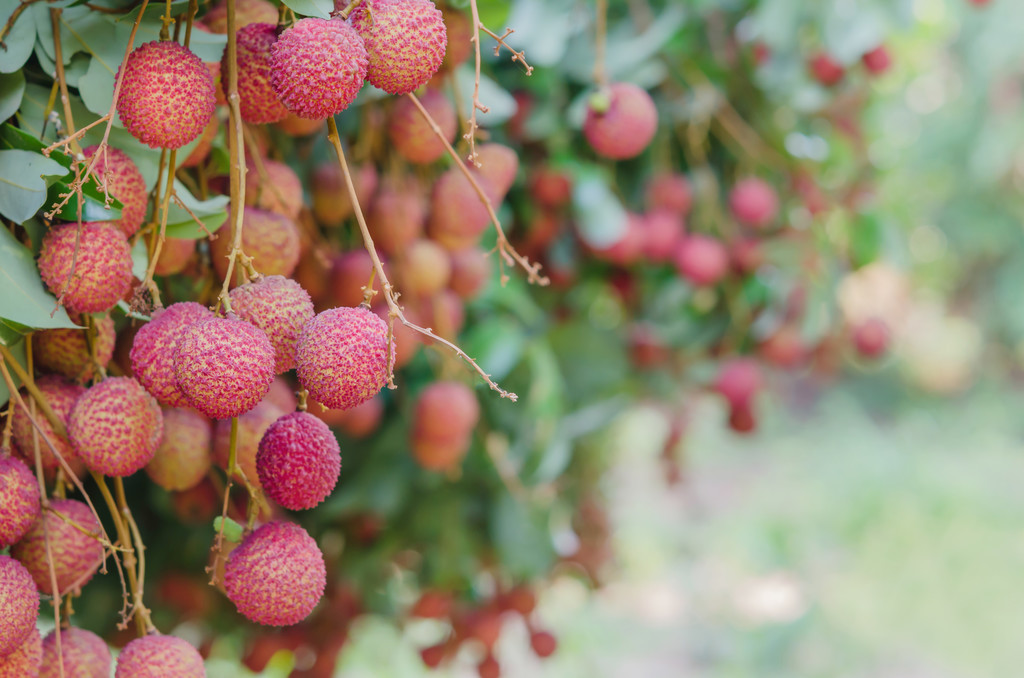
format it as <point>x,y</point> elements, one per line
<point>423,269</point>
<point>183,457</point>
<point>343,356</point>
<point>405,42</point>
<point>318,67</point>
<point>412,136</point>
<point>116,426</point>
<point>61,396</point>
<point>124,182</point>
<point>246,12</point>
<point>298,461</point>
<point>251,427</point>
<point>702,260</point>
<point>276,576</point>
<point>157,656</point>
<point>398,216</point>
<point>167,95</point>
<point>280,191</point>
<point>826,70</point>
<point>550,188</point>
<point>25,661</point>
<point>489,667</point>
<point>224,366</point>
<point>471,270</point>
<point>671,192</point>
<point>499,165</point>
<point>621,121</point>
<point>152,354</point>
<point>350,272</point>
<point>256,98</point>
<point>433,655</point>
<point>871,338</point>
<point>785,348</point>
<point>83,653</point>
<point>77,554</point>
<point>282,395</point>
<point>630,244</point>
<point>357,422</point>
<point>738,381</point>
<point>747,255</point>
<point>19,500</point>
<point>174,255</point>
<point>102,268</point>
<point>459,27</point>
<point>294,126</point>
<point>543,643</point>
<point>331,202</point>
<point>662,232</point>
<point>272,240</point>
<point>19,601</point>
<point>66,351</point>
<point>457,215</point>
<point>742,419</point>
<point>754,203</point>
<point>877,61</point>
<point>201,151</point>
<point>446,414</point>
<point>278,306</point>
<point>406,340</point>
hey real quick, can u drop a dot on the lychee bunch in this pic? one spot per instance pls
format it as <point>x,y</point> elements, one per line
<point>19,604</point>
<point>183,457</point>
<point>66,350</point>
<point>298,461</point>
<point>61,396</point>
<point>19,500</point>
<point>318,67</point>
<point>278,306</point>
<point>116,426</point>
<point>224,366</point>
<point>405,42</point>
<point>256,98</point>
<point>446,414</point>
<point>76,554</point>
<point>153,347</point>
<point>124,181</point>
<point>276,576</point>
<point>754,203</point>
<point>102,267</point>
<point>343,357</point>
<point>412,136</point>
<point>272,240</point>
<point>167,95</point>
<point>25,661</point>
<point>84,654</point>
<point>621,122</point>
<point>157,656</point>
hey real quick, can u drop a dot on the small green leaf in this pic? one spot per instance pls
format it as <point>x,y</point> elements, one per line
<point>12,89</point>
<point>600,216</point>
<point>22,188</point>
<point>25,300</point>
<point>18,350</point>
<point>232,530</point>
<point>317,8</point>
<point>20,40</point>
<point>14,137</point>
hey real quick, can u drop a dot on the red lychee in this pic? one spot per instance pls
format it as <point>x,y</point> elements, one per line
<point>123,181</point>
<point>280,191</point>
<point>251,427</point>
<point>433,656</point>
<point>410,133</point>
<point>295,126</point>
<point>747,255</point>
<point>83,653</point>
<point>26,660</point>
<point>278,306</point>
<point>739,380</point>
<point>489,667</point>
<point>282,395</point>
<point>550,187</point>
<point>623,125</point>
<point>754,203</point>
<point>272,240</point>
<point>201,151</point>
<point>256,98</point>
<point>471,269</point>
<point>183,457</point>
<point>102,269</point>
<point>357,422</point>
<point>298,461</point>
<point>871,338</point>
<point>445,416</point>
<point>671,192</point>
<point>628,248</point>
<point>19,601</point>
<point>76,554</point>
<point>877,61</point>
<point>826,70</point>
<point>499,165</point>
<point>175,255</point>
<point>398,216</point>
<point>543,643</point>
<point>702,260</point>
<point>350,272</point>
<point>116,426</point>
<point>662,231</point>
<point>19,500</point>
<point>61,396</point>
<point>459,27</point>
<point>153,347</point>
<point>457,215</point>
<point>156,656</point>
<point>66,351</point>
<point>405,41</point>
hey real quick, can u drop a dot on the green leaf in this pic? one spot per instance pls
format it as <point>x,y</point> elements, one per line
<point>521,538</point>
<point>18,349</point>
<point>317,8</point>
<point>212,212</point>
<point>14,137</point>
<point>25,300</point>
<point>600,216</point>
<point>20,40</point>
<point>22,188</point>
<point>140,259</point>
<point>93,207</point>
<point>12,89</point>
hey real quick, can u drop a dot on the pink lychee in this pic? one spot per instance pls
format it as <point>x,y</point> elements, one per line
<point>272,240</point>
<point>158,656</point>
<point>19,500</point>
<point>739,380</point>
<point>61,396</point>
<point>754,202</point>
<point>278,306</point>
<point>702,260</point>
<point>26,660</point>
<point>153,347</point>
<point>623,127</point>
<point>124,182</point>
<point>280,191</point>
<point>405,42</point>
<point>410,133</point>
<point>671,192</point>
<point>256,98</point>
<point>298,461</point>
<point>116,426</point>
<point>19,602</point>
<point>246,12</point>
<point>84,655</point>
<point>76,554</point>
<point>102,268</point>
<point>251,427</point>
<point>66,351</point>
<point>183,458</point>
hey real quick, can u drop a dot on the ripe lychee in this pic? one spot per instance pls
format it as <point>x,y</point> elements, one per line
<point>826,70</point>
<point>298,461</point>
<point>406,340</point>
<point>280,191</point>
<point>124,181</point>
<point>343,356</point>
<point>282,395</point>
<point>116,426</point>
<point>489,667</point>
<point>877,61</point>
<point>398,216</point>
<point>662,232</point>
<point>158,656</point>
<point>61,396</point>
<point>739,380</point>
<point>871,338</point>
<point>246,12</point>
<point>76,554</point>
<point>66,351</point>
<point>628,248</point>
<point>25,660</point>
<point>251,427</point>
<point>201,151</point>
<point>405,41</point>
<point>747,255</point>
<point>702,260</point>
<point>622,122</point>
<point>357,422</point>
<point>278,306</point>
<point>257,100</point>
<point>499,165</point>
<point>19,500</point>
<point>550,187</point>
<point>543,643</point>
<point>19,601</point>
<point>459,27</point>
<point>331,202</point>
<point>224,366</point>
<point>276,576</point>
<point>433,655</point>
<point>350,272</point>
<point>457,215</point>
<point>410,133</point>
<point>671,192</point>
<point>754,203</point>
<point>318,67</point>
<point>167,95</point>
<point>174,255</point>
<point>471,269</point>
<point>153,347</point>
<point>84,654</point>
<point>423,269</point>
<point>272,240</point>
<point>102,268</point>
<point>446,414</point>
<point>295,126</point>
<point>785,348</point>
<point>183,457</point>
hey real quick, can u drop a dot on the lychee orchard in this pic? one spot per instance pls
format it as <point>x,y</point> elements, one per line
<point>319,311</point>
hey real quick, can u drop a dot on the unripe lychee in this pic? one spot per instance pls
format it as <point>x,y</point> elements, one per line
<point>457,215</point>
<point>471,269</point>
<point>739,380</point>
<point>423,269</point>
<point>877,61</point>
<point>279,192</point>
<point>398,216</point>
<point>251,427</point>
<point>410,133</point>
<point>183,457</point>
<point>331,202</point>
<point>256,98</point>
<point>702,260</point>
<point>671,192</point>
<point>124,181</point>
<point>66,351</point>
<point>298,461</point>
<point>662,232</point>
<point>224,366</point>
<point>343,356</point>
<point>61,396</point>
<point>25,661</point>
<point>246,12</point>
<point>158,656</point>
<point>625,126</point>
<point>174,255</point>
<point>826,70</point>
<point>19,500</point>
<point>167,95</point>
<point>318,67</point>
<point>499,165</point>
<point>153,347</point>
<point>446,414</point>
<point>272,240</point>
<point>754,203</point>
<point>84,654</point>
<point>19,601</point>
<point>405,41</point>
<point>276,576</point>
<point>102,268</point>
<point>278,306</point>
<point>116,426</point>
<point>76,554</point>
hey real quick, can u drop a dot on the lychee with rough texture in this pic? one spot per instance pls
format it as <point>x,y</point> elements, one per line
<point>123,181</point>
<point>298,461</point>
<point>702,260</point>
<point>246,12</point>
<point>102,268</point>
<point>152,354</point>
<point>623,124</point>
<point>116,426</point>
<point>410,133</point>
<point>84,654</point>
<point>251,427</point>
<point>276,576</point>
<point>446,414</point>
<point>272,240</point>
<point>61,396</point>
<point>76,554</point>
<point>224,366</point>
<point>19,604</point>
<point>278,306</point>
<point>398,216</point>
<point>183,457</point>
<point>66,351</point>
<point>167,95</point>
<point>19,500</point>
<point>754,203</point>
<point>26,660</point>
<point>156,656</point>
<point>343,356</point>
<point>256,98</point>
<point>405,42</point>
<point>280,191</point>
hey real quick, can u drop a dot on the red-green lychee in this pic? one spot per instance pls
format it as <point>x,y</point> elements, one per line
<point>256,98</point>
<point>446,414</point>
<point>61,396</point>
<point>331,202</point>
<point>76,554</point>
<point>153,347</point>
<point>398,216</point>
<point>102,268</point>
<point>167,95</point>
<point>410,133</point>
<point>623,124</point>
<point>405,42</point>
<point>66,351</point>
<point>280,191</point>
<point>276,576</point>
<point>298,461</point>
<point>318,67</point>
<point>343,357</point>
<point>183,457</point>
<point>19,500</point>
<point>702,260</point>
<point>278,306</point>
<point>84,655</point>
<point>754,202</point>
<point>156,656</point>
<point>25,661</point>
<point>123,181</point>
<point>116,426</point>
<point>19,604</point>
<point>251,427</point>
<point>457,215</point>
<point>246,12</point>
<point>224,366</point>
<point>272,240</point>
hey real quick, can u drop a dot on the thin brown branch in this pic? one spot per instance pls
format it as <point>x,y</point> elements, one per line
<point>9,25</point>
<point>519,56</point>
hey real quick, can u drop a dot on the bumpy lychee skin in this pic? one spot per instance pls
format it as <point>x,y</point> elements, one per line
<point>410,133</point>
<point>153,347</point>
<point>26,660</point>
<point>183,457</point>
<point>66,351</point>
<point>159,657</point>
<point>61,396</point>
<point>85,655</point>
<point>405,42</point>
<point>76,555</point>
<point>19,500</point>
<point>626,127</point>
<point>251,427</point>
<point>343,356</point>
<point>276,576</point>
<point>103,267</point>
<point>272,240</point>
<point>246,12</point>
<point>298,461</point>
<point>123,181</point>
<point>754,203</point>
<point>19,604</point>
<point>224,366</point>
<point>279,192</point>
<point>278,306</point>
<point>116,427</point>
<point>167,95</point>
<point>257,100</point>
<point>318,67</point>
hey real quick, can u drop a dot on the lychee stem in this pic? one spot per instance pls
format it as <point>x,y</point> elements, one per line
<point>160,235</point>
